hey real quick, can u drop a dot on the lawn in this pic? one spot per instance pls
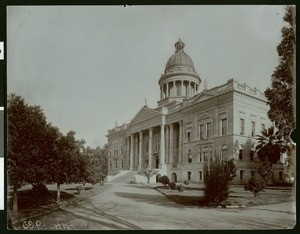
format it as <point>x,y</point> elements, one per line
<point>194,196</point>
<point>30,205</point>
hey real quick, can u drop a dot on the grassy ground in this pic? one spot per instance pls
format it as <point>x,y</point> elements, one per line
<point>30,205</point>
<point>237,196</point>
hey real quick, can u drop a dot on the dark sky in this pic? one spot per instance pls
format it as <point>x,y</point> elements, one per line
<point>90,66</point>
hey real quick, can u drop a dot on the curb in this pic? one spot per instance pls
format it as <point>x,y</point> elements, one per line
<point>235,207</point>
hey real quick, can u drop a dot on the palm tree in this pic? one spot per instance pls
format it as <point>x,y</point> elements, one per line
<point>270,146</point>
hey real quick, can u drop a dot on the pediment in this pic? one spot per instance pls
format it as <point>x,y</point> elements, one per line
<point>143,115</point>
<point>202,97</point>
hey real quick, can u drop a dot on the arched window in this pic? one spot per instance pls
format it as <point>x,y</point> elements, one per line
<point>200,154</point>
<point>224,152</point>
<point>190,158</point>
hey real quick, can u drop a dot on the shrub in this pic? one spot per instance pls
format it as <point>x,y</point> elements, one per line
<point>217,175</point>
<point>164,180</point>
<point>132,181</point>
<point>172,186</point>
<point>79,188</point>
<point>186,182</point>
<point>180,187</point>
<point>255,185</point>
<point>39,190</point>
<point>101,183</point>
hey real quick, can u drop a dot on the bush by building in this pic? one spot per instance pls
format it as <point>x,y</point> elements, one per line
<point>164,180</point>
<point>217,175</point>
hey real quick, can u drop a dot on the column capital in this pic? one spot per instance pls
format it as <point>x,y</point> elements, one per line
<point>171,125</point>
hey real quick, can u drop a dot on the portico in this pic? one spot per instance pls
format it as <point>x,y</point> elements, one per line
<point>163,140</point>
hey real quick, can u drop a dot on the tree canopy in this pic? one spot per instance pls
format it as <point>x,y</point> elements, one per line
<point>270,146</point>
<point>280,94</point>
<point>39,153</point>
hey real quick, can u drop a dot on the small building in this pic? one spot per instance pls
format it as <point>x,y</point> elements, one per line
<point>189,127</point>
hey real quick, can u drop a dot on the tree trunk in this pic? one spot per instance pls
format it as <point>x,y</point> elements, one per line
<point>58,192</point>
<point>15,200</point>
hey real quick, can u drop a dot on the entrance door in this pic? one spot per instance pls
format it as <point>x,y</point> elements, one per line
<point>156,161</point>
<point>174,177</point>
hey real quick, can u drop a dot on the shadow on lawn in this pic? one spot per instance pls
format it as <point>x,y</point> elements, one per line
<point>27,200</point>
<point>188,200</point>
<point>148,198</point>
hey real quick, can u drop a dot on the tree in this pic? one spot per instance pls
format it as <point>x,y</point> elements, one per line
<point>217,176</point>
<point>149,172</point>
<point>29,146</point>
<point>96,164</point>
<point>281,95</point>
<point>78,163</point>
<point>255,185</point>
<point>270,145</point>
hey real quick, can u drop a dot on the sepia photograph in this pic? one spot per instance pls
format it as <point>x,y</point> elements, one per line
<point>166,117</point>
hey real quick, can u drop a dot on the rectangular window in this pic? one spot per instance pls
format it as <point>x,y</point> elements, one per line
<point>200,176</point>
<point>240,154</point>
<point>252,173</point>
<point>208,130</point>
<point>189,175</point>
<point>241,174</point>
<point>188,136</point>
<point>224,127</point>
<point>202,131</point>
<point>242,126</point>
<point>252,128</point>
<point>280,176</point>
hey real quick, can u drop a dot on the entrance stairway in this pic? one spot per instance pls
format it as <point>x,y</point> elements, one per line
<point>123,178</point>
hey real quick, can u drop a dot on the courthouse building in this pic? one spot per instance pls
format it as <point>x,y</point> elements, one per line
<point>189,127</point>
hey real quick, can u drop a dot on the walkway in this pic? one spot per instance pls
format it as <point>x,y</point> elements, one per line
<point>127,207</point>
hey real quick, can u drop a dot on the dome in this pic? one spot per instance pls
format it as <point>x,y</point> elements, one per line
<point>179,59</point>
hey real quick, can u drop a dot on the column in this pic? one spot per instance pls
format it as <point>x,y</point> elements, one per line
<point>193,89</point>
<point>140,150</point>
<point>174,88</point>
<point>127,152</point>
<point>182,94</point>
<point>180,142</point>
<point>136,150</point>
<point>150,147</point>
<point>171,143</point>
<point>161,96</point>
<point>162,146</point>
<point>167,91</point>
<point>167,143</point>
<point>131,152</point>
<point>189,89</point>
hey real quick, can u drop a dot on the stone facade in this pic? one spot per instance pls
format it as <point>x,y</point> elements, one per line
<point>190,127</point>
